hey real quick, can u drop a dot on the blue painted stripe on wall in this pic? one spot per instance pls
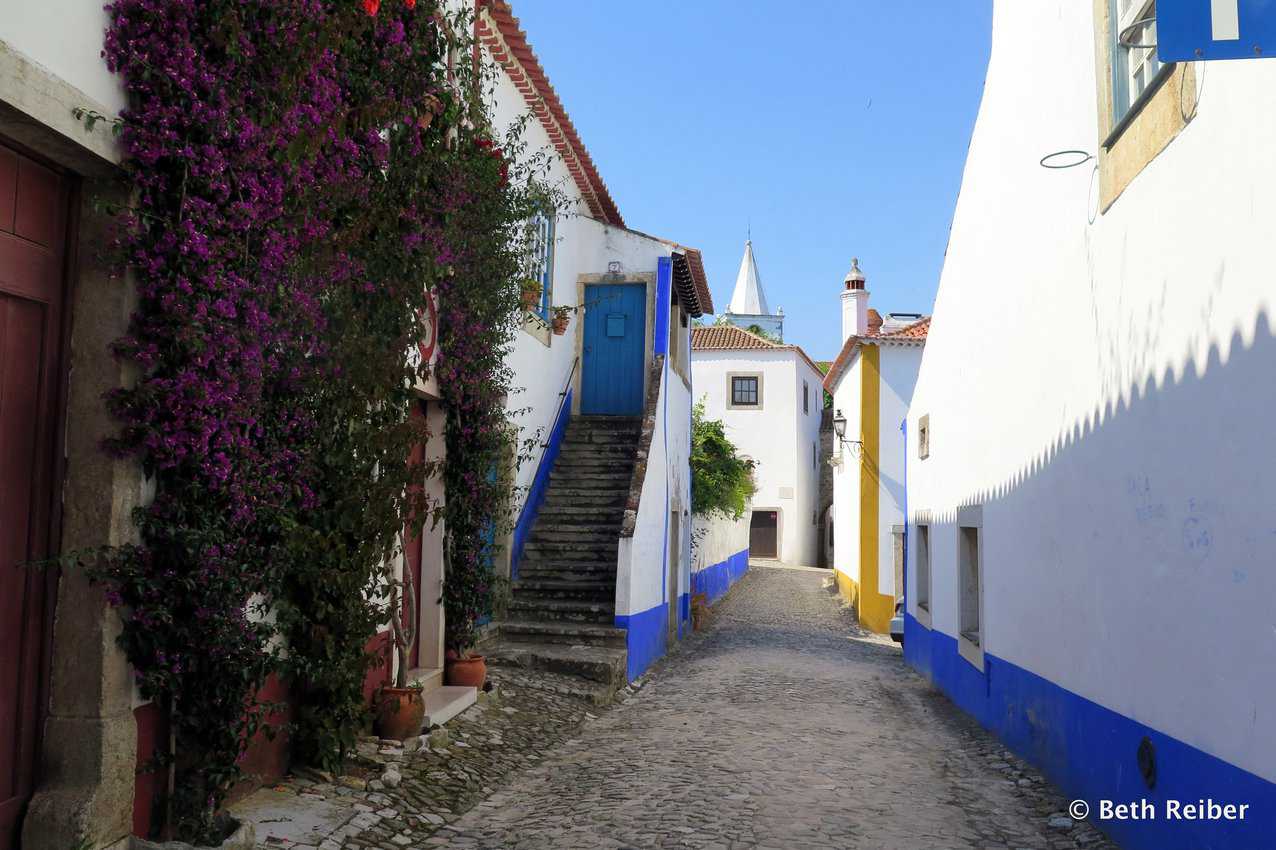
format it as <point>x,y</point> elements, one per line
<point>664,283</point>
<point>1089,751</point>
<point>648,633</point>
<point>714,581</point>
<point>540,483</point>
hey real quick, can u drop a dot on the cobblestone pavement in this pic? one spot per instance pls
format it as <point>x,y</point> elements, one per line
<point>396,796</point>
<point>783,726</point>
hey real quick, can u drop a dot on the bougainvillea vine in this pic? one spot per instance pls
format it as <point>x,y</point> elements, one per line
<point>307,174</point>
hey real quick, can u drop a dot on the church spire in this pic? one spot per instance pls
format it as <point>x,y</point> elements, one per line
<point>748,297</point>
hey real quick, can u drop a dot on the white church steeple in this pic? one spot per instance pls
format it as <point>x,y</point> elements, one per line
<point>748,297</point>
<point>748,307</point>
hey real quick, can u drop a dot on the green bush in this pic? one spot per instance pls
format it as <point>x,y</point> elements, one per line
<point>721,480</point>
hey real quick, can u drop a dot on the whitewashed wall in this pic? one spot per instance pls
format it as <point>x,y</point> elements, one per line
<point>846,475</point>
<point>777,437</point>
<point>1102,385</point>
<point>65,38</point>
<point>898,368</point>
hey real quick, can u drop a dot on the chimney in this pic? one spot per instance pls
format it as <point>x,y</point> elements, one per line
<point>854,303</point>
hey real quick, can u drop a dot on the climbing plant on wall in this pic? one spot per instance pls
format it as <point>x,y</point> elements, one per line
<point>307,174</point>
<point>721,480</point>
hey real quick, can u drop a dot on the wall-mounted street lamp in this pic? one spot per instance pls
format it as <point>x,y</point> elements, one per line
<point>839,428</point>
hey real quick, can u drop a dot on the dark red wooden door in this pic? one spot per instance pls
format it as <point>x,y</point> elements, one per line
<point>33,205</point>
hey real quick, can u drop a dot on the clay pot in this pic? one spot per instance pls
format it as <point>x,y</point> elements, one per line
<point>559,325</point>
<point>470,671</point>
<point>531,298</point>
<point>400,713</point>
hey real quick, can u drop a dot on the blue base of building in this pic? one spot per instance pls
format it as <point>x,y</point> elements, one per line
<point>716,580</point>
<point>1091,752</point>
<point>648,635</point>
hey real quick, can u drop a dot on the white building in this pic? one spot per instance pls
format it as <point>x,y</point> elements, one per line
<point>871,382</point>
<point>768,397</point>
<point>1091,558</point>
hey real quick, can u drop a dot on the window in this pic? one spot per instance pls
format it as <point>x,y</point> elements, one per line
<point>923,437</point>
<point>1134,69</point>
<point>806,397</point>
<point>745,391</point>
<point>541,261</point>
<point>970,595</point>
<point>815,457</point>
<point>921,569</point>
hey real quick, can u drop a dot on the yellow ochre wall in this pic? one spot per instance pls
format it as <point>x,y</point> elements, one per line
<point>875,609</point>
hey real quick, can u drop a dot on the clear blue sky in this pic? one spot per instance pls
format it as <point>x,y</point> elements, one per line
<point>836,128</point>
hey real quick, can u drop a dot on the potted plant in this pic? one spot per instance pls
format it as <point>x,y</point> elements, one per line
<point>465,668</point>
<point>467,593</point>
<point>561,316</point>
<point>531,290</point>
<point>400,709</point>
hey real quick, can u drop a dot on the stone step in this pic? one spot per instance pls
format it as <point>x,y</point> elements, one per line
<point>599,569</point>
<point>569,634</point>
<point>601,436</point>
<point>601,670</point>
<point>573,575</point>
<point>584,514</point>
<point>598,421</point>
<point>571,497</point>
<point>572,552</point>
<point>610,486</point>
<point>590,468</point>
<point>539,609</point>
<point>445,702</point>
<point>602,590</point>
<point>619,450</point>
<point>593,466</point>
<point>605,534</point>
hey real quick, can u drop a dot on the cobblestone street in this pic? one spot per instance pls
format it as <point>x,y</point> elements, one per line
<point>782,726</point>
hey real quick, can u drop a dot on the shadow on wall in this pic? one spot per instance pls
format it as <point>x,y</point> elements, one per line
<point>1133,560</point>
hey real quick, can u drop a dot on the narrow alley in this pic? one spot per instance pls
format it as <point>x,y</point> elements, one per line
<point>783,726</point>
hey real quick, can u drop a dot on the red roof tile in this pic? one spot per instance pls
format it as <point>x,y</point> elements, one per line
<point>508,45</point>
<point>732,338</point>
<point>911,335</point>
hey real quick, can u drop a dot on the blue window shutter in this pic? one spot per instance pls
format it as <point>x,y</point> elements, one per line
<point>547,265</point>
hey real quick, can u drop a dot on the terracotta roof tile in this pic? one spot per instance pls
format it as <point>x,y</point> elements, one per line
<point>509,46</point>
<point>910,336</point>
<point>732,338</point>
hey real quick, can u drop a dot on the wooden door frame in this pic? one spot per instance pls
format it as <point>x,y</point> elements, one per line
<point>645,279</point>
<point>55,461</point>
<point>779,527</point>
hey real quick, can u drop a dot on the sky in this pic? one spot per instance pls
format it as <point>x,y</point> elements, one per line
<point>827,128</point>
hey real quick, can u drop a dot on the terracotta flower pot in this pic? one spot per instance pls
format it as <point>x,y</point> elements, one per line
<point>400,713</point>
<point>531,297</point>
<point>470,671</point>
<point>560,325</point>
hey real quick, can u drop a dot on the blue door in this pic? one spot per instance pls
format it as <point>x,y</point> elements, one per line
<point>615,340</point>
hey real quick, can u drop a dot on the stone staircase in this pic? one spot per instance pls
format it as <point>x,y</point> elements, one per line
<point>562,613</point>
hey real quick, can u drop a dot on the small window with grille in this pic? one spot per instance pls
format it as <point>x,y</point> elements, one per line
<point>745,391</point>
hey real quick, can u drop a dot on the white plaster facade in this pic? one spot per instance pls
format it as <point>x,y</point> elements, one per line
<point>781,435</point>
<point>1098,395</point>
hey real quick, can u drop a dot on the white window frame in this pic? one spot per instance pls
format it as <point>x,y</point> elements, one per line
<point>731,402</point>
<point>1136,71</point>
<point>921,572</point>
<point>972,633</point>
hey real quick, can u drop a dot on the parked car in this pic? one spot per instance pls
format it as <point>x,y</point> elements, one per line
<point>897,622</point>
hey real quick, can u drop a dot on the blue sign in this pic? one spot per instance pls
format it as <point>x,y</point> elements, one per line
<point>1193,30</point>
